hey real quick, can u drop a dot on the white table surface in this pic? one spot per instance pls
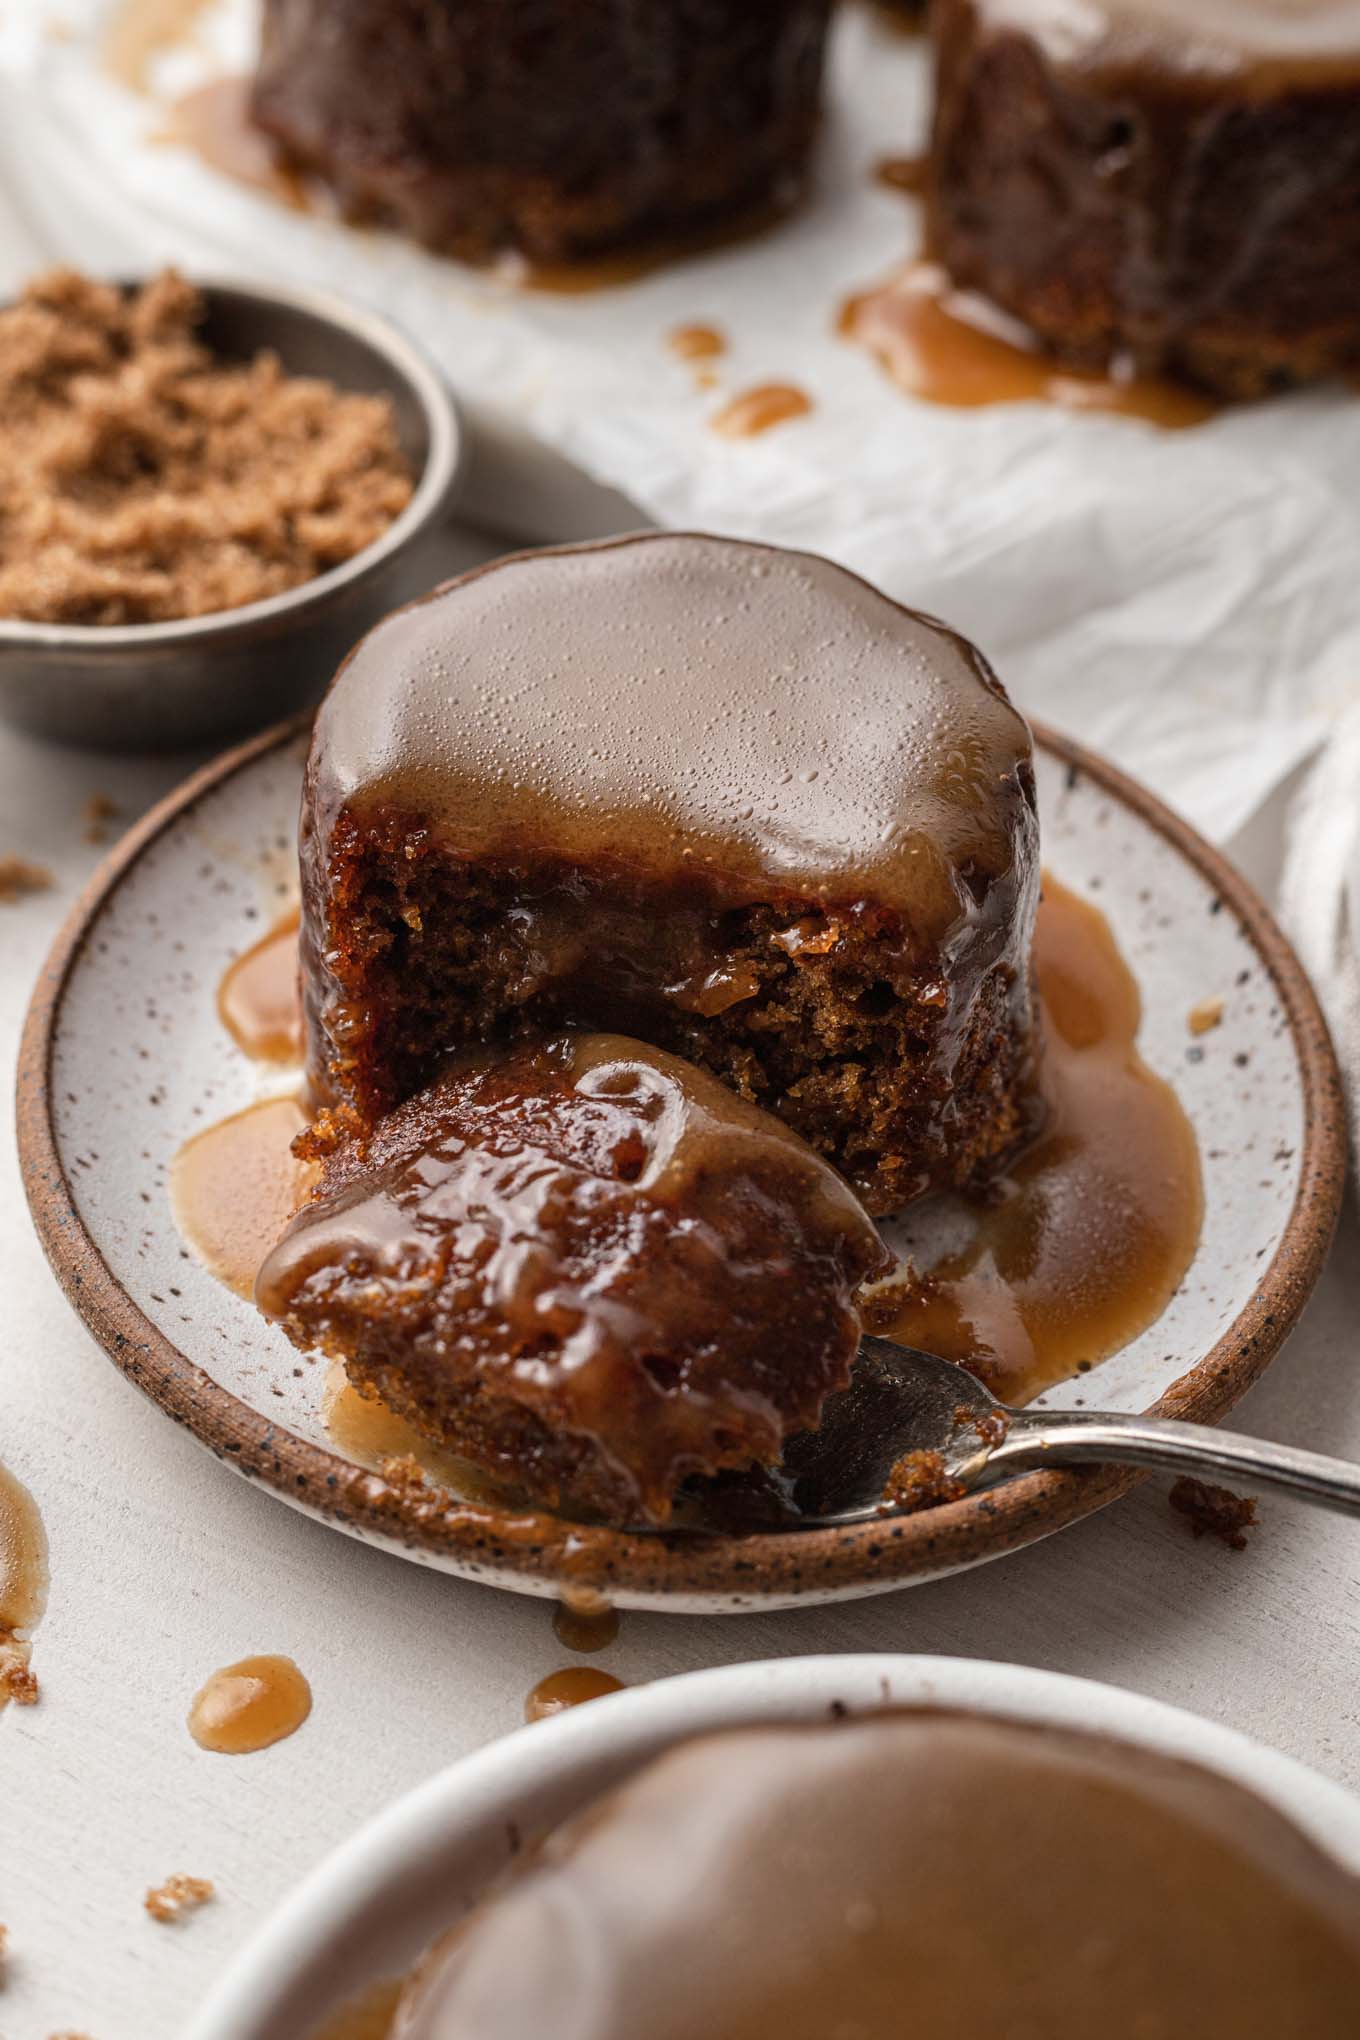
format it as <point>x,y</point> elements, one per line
<point>166,1565</point>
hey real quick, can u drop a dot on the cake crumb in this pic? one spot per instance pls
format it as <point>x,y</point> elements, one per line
<point>404,1472</point>
<point>19,1683</point>
<point>19,875</point>
<point>96,814</point>
<point>178,1896</point>
<point>919,1480</point>
<point>1214,1511</point>
<point>1204,1017</point>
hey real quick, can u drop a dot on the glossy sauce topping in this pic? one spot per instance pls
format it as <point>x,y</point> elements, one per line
<point>949,347</point>
<point>234,1187</point>
<point>943,1876</point>
<point>759,410</point>
<point>23,1586</point>
<point>257,1000</point>
<point>1270,43</point>
<point>249,1705</point>
<point>1095,1223</point>
<point>712,706</point>
<point>571,1687</point>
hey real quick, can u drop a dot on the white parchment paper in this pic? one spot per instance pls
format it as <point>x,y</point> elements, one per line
<point>1187,602</point>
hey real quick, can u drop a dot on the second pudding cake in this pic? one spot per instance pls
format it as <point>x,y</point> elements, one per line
<point>725,798</point>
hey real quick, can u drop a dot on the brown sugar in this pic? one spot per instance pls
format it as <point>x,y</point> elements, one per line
<point>177,1896</point>
<point>1214,1511</point>
<point>144,479</point>
<point>19,875</point>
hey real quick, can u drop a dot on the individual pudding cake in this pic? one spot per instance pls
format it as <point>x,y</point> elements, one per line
<point>721,797</point>
<point>938,1876</point>
<point>545,126</point>
<point>586,1266</point>
<point>1169,186</point>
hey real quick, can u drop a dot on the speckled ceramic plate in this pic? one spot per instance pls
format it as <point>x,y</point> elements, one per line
<point>124,1057</point>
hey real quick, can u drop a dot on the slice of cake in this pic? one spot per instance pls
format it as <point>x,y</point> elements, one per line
<point>725,798</point>
<point>551,127</point>
<point>1172,186</point>
<point>586,1266</point>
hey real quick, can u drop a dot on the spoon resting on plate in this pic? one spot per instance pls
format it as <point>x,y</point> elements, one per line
<point>901,1402</point>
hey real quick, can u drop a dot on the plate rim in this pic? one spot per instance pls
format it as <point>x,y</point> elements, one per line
<point>539,1553</point>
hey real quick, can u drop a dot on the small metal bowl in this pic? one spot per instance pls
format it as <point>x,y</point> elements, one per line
<point>164,686</point>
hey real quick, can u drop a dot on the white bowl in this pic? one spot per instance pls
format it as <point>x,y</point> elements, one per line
<point>372,1906</point>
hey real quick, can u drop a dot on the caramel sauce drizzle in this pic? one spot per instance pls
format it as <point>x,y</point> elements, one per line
<point>23,1587</point>
<point>584,1621</point>
<point>234,1187</point>
<point>214,122</point>
<point>760,409</point>
<point>949,347</point>
<point>696,343</point>
<point>571,1687</point>
<point>1096,1222</point>
<point>140,31</point>
<point>249,1705</point>
<point>258,1001</point>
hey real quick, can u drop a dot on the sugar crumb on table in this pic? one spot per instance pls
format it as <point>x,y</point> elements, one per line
<point>1214,1511</point>
<point>96,814</point>
<point>1204,1017</point>
<point>20,875</point>
<point>178,1896</point>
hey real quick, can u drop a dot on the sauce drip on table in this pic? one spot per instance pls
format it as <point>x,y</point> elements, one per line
<point>235,1186</point>
<point>258,1001</point>
<point>760,410</point>
<point>585,1621</point>
<point>1094,1225</point>
<point>950,347</point>
<point>696,343</point>
<point>571,1687</point>
<point>23,1586</point>
<point>249,1705</point>
<point>214,122</point>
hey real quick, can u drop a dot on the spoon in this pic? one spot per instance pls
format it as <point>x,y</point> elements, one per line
<point>902,1401</point>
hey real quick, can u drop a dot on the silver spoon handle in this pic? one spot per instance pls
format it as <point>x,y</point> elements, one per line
<point>1074,1439</point>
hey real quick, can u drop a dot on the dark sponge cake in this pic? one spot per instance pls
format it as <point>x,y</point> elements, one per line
<point>1168,185</point>
<point>586,1266</point>
<point>724,798</point>
<point>553,127</point>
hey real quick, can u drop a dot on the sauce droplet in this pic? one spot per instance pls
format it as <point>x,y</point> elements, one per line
<point>949,347</point>
<point>257,1000</point>
<point>23,1587</point>
<point>571,1687</point>
<point>696,343</point>
<point>234,1187</point>
<point>249,1705</point>
<point>1094,1225</point>
<point>585,1622</point>
<point>902,173</point>
<point>760,409</point>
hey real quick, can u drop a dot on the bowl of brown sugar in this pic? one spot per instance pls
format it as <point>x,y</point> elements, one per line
<point>208,492</point>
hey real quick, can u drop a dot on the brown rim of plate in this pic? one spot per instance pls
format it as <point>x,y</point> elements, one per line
<point>547,1551</point>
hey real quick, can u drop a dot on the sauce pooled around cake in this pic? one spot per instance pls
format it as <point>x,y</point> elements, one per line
<point>585,1266</point>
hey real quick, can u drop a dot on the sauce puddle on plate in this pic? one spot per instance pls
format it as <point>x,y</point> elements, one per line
<point>1089,1233</point>
<point>249,1705</point>
<point>950,347</point>
<point>214,122</point>
<point>571,1687</point>
<point>258,1001</point>
<point>234,1187</point>
<point>23,1587</point>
